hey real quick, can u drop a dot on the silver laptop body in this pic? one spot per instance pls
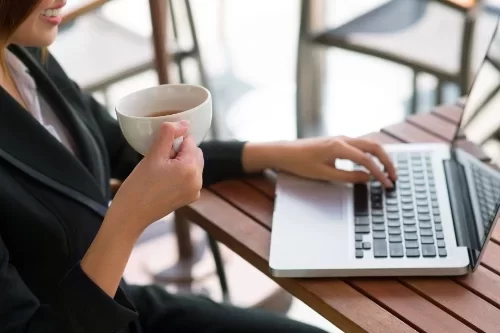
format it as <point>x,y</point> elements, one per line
<point>437,221</point>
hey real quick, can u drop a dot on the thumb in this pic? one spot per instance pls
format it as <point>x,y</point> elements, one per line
<point>163,144</point>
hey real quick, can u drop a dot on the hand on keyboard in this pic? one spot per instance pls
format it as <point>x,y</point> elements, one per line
<point>315,158</point>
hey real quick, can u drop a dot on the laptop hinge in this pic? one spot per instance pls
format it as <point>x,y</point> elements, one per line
<point>461,207</point>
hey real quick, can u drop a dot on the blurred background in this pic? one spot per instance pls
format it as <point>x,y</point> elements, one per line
<point>277,69</point>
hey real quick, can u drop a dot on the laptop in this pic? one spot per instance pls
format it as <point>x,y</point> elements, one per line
<point>436,222</point>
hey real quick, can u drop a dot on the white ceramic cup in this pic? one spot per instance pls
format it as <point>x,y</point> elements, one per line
<point>140,130</point>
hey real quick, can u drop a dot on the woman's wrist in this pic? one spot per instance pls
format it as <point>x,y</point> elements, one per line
<point>269,155</point>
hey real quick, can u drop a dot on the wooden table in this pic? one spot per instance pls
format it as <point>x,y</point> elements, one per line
<point>239,214</point>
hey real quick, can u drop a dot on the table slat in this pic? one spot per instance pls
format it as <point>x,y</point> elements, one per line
<point>409,133</point>
<point>484,282</point>
<point>395,296</point>
<point>435,125</point>
<point>452,113</point>
<point>335,300</point>
<point>453,297</point>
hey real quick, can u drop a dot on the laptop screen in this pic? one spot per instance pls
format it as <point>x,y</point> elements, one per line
<point>480,121</point>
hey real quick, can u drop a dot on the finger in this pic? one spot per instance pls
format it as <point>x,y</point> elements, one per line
<point>162,145</point>
<point>376,150</point>
<point>326,172</point>
<point>354,154</point>
<point>188,149</point>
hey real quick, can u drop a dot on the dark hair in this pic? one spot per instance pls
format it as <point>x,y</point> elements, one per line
<point>12,15</point>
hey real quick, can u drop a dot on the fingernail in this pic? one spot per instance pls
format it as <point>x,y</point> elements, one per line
<point>389,184</point>
<point>185,123</point>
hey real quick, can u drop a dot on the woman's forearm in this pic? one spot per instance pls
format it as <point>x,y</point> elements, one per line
<point>107,256</point>
<point>260,156</point>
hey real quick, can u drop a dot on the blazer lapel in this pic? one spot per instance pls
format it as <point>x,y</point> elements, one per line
<point>25,139</point>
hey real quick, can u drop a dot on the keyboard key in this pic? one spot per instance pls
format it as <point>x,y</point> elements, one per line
<point>378,219</point>
<point>359,245</point>
<point>438,227</point>
<point>442,252</point>
<point>392,209</point>
<point>362,229</point>
<point>412,245</point>
<point>361,221</point>
<point>379,248</point>
<point>393,216</point>
<point>424,217</point>
<point>435,204</point>
<point>396,250</point>
<point>422,210</point>
<point>405,186</point>
<point>412,253</point>
<point>420,189</point>
<point>408,214</point>
<point>439,235</point>
<point>425,225</point>
<point>394,231</point>
<point>393,223</point>
<point>437,219</point>
<point>428,251</point>
<point>359,253</point>
<point>377,212</point>
<point>395,239</point>
<point>440,243</point>
<point>379,235</point>
<point>359,237</point>
<point>391,201</point>
<point>407,207</point>
<point>378,227</point>
<point>407,200</point>
<point>403,179</point>
<point>360,200</point>
<point>411,236</point>
<point>367,245</point>
<point>426,232</point>
<point>436,211</point>
<point>409,221</point>
<point>426,240</point>
<point>421,196</point>
<point>422,203</point>
<point>391,194</point>
<point>406,193</point>
<point>410,228</point>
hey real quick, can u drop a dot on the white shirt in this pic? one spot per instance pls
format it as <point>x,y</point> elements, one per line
<point>36,104</point>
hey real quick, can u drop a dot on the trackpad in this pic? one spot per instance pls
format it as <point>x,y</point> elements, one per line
<point>311,219</point>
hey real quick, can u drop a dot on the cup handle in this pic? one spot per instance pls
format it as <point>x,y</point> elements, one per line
<point>177,143</point>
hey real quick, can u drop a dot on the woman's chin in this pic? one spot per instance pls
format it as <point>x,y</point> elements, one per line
<point>40,39</point>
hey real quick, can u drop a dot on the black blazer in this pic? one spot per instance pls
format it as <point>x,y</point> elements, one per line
<point>52,204</point>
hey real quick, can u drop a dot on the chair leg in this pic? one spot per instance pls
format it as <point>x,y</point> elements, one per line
<point>221,272</point>
<point>175,30</point>
<point>439,92</point>
<point>414,97</point>
<point>214,130</point>
<point>158,11</point>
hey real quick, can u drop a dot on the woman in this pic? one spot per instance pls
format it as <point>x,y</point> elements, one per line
<point>62,254</point>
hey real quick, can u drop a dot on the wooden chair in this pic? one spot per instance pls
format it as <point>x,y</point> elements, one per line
<point>429,36</point>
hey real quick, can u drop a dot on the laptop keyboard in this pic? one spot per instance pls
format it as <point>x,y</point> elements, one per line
<point>487,191</point>
<point>404,221</point>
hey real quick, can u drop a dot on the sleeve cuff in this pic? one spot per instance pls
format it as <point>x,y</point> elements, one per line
<point>90,308</point>
<point>223,161</point>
